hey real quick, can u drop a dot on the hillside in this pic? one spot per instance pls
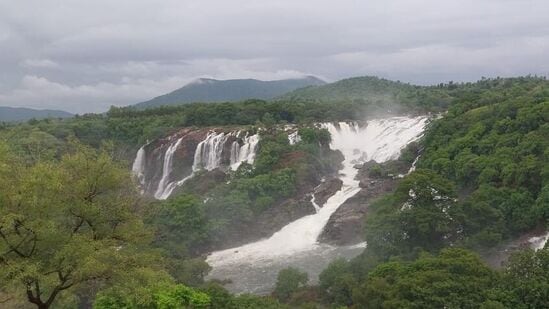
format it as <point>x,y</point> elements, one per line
<point>364,87</point>
<point>212,90</point>
<point>12,114</point>
<point>372,91</point>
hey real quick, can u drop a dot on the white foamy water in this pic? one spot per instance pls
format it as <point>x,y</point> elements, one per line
<point>208,155</point>
<point>538,242</point>
<point>245,152</point>
<point>138,167</point>
<point>164,189</point>
<point>296,243</point>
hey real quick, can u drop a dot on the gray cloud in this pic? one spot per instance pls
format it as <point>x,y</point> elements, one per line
<point>84,56</point>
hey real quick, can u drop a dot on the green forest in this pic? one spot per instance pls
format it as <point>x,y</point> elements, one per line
<point>74,230</point>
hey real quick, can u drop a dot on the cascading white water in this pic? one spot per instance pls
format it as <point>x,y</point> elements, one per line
<point>380,140</point>
<point>538,242</point>
<point>208,152</point>
<point>138,167</point>
<point>208,156</point>
<point>245,152</point>
<point>163,190</point>
<point>294,138</point>
<point>413,167</point>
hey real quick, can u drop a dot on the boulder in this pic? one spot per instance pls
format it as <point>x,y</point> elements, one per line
<point>326,189</point>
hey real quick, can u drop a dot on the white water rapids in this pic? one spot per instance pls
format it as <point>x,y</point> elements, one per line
<point>253,267</point>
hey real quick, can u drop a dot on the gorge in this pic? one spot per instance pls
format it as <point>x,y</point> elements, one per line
<point>297,242</point>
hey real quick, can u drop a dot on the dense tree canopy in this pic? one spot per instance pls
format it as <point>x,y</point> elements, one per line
<point>66,223</point>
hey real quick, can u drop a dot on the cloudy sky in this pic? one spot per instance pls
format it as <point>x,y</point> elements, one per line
<point>83,56</point>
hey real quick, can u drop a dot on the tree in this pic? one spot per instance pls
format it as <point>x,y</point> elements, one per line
<point>66,223</point>
<point>181,224</point>
<point>422,213</point>
<point>160,295</point>
<point>288,281</point>
<point>456,278</point>
<point>247,301</point>
<point>525,282</point>
<point>337,282</point>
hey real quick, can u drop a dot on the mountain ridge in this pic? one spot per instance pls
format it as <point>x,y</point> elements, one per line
<point>231,90</point>
<point>15,114</point>
<point>351,88</point>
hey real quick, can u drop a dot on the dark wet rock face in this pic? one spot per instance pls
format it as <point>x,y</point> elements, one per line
<point>326,189</point>
<point>346,225</point>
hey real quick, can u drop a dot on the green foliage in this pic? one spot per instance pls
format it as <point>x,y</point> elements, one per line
<point>422,213</point>
<point>454,279</point>
<point>247,301</point>
<point>525,282</point>
<point>219,296</point>
<point>337,282</point>
<point>313,135</point>
<point>181,228</point>
<point>163,296</point>
<point>289,280</point>
<point>373,92</point>
<point>66,223</point>
<point>493,144</point>
<point>181,224</point>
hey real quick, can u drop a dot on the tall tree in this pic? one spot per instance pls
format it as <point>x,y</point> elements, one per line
<point>65,223</point>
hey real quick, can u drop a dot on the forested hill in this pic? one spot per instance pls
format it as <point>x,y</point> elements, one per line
<point>212,90</point>
<point>8,114</point>
<point>370,90</point>
<point>356,88</point>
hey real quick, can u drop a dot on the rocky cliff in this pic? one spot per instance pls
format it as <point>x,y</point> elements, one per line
<point>346,225</point>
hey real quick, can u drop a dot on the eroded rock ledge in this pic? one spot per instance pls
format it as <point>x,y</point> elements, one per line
<point>345,226</point>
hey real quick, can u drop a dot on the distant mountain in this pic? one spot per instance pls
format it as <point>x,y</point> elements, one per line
<point>366,87</point>
<point>212,90</point>
<point>13,114</point>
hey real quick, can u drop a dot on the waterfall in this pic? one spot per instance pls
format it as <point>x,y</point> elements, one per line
<point>294,138</point>
<point>208,152</point>
<point>379,140</point>
<point>245,152</point>
<point>163,190</point>
<point>208,155</point>
<point>315,205</point>
<point>138,167</point>
<point>538,242</point>
<point>413,167</point>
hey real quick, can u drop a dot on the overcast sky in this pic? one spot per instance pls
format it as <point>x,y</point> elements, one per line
<point>83,56</point>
